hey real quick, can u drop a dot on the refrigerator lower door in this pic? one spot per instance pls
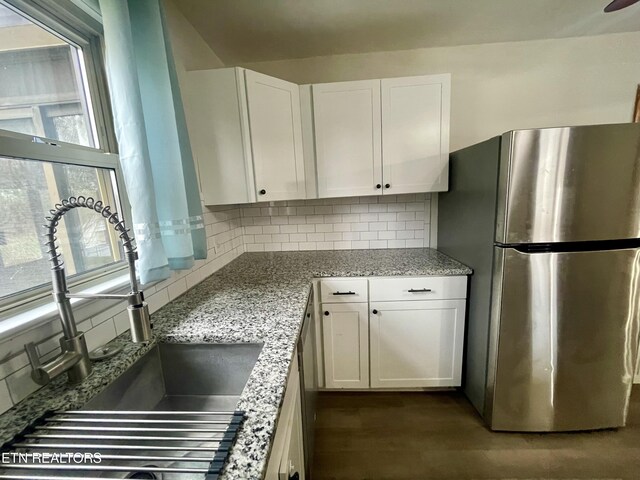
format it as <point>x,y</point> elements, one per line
<point>564,339</point>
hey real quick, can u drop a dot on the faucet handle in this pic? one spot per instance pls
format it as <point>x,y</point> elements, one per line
<point>32,354</point>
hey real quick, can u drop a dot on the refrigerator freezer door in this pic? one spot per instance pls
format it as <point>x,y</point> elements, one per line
<point>567,340</point>
<point>569,184</point>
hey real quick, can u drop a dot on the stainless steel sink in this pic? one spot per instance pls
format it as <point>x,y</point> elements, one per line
<point>174,377</point>
<point>167,417</point>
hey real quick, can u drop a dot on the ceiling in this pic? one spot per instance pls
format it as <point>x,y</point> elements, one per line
<point>241,31</point>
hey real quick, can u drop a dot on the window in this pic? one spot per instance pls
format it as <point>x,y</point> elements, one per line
<point>55,130</point>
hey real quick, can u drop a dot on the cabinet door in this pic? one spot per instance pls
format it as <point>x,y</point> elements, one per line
<point>347,134</point>
<point>346,345</point>
<point>293,456</point>
<point>415,133</point>
<point>218,130</point>
<point>276,137</point>
<point>417,344</point>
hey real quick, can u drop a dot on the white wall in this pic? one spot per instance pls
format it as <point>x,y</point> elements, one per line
<point>502,86</point>
<point>190,51</point>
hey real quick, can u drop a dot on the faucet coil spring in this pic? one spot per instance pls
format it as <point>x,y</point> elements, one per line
<point>73,202</point>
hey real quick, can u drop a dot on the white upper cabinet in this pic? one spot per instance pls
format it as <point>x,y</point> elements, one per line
<point>385,136</point>
<point>276,137</point>
<point>246,135</point>
<point>415,133</point>
<point>217,120</point>
<point>348,138</point>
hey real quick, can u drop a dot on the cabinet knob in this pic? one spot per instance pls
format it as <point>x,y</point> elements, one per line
<point>378,186</point>
<point>326,313</point>
<point>387,185</point>
<point>374,311</point>
<point>262,192</point>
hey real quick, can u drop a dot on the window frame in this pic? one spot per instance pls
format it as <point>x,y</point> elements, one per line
<point>75,26</point>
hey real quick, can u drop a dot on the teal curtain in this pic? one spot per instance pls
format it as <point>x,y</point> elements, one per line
<point>155,152</point>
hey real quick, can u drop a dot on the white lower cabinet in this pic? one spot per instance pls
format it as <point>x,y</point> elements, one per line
<point>287,454</point>
<point>397,332</point>
<point>416,343</point>
<point>345,329</point>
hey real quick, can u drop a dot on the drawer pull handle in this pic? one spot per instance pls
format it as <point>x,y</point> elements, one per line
<point>344,293</point>
<point>420,290</point>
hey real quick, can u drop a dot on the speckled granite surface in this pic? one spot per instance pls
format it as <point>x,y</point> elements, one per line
<point>259,297</point>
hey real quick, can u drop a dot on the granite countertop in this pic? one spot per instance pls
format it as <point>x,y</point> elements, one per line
<point>259,297</point>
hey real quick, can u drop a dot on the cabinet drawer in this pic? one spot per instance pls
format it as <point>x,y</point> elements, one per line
<point>418,288</point>
<point>343,290</point>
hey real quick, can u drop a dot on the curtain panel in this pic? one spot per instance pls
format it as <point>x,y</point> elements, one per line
<point>155,152</point>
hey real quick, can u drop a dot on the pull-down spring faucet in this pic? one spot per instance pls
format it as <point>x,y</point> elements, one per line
<point>74,358</point>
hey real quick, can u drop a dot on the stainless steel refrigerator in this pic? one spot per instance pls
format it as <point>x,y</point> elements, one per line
<point>549,220</point>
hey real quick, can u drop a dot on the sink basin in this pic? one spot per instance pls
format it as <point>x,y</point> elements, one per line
<point>182,377</point>
<point>167,417</point>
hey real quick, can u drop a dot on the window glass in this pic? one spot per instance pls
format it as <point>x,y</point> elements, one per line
<point>42,83</point>
<point>28,190</point>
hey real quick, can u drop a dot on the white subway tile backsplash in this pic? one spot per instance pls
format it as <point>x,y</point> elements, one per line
<point>176,289</point>
<point>306,228</point>
<point>360,208</point>
<point>273,247</point>
<point>298,237</point>
<point>405,234</point>
<point>351,235</point>
<point>121,322</point>
<point>397,243</point>
<point>98,336</point>
<point>308,246</point>
<point>315,237</point>
<point>387,235</point>
<point>416,243</point>
<point>341,208</point>
<point>368,235</point>
<point>360,227</point>
<point>323,210</point>
<point>397,207</point>
<point>20,384</point>
<point>378,208</point>
<point>360,245</point>
<point>262,221</point>
<point>324,227</point>
<point>12,364</point>
<point>291,247</point>
<point>378,244</point>
<point>263,238</point>
<point>5,398</point>
<point>341,227</point>
<point>406,216</point>
<point>388,217</point>
<point>377,226</point>
<point>271,229</point>
<point>314,219</point>
<point>370,217</point>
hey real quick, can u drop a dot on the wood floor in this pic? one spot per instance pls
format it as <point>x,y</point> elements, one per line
<point>439,436</point>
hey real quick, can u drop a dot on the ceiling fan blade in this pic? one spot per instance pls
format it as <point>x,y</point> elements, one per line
<point>619,5</point>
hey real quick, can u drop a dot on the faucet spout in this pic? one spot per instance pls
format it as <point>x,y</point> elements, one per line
<point>74,358</point>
